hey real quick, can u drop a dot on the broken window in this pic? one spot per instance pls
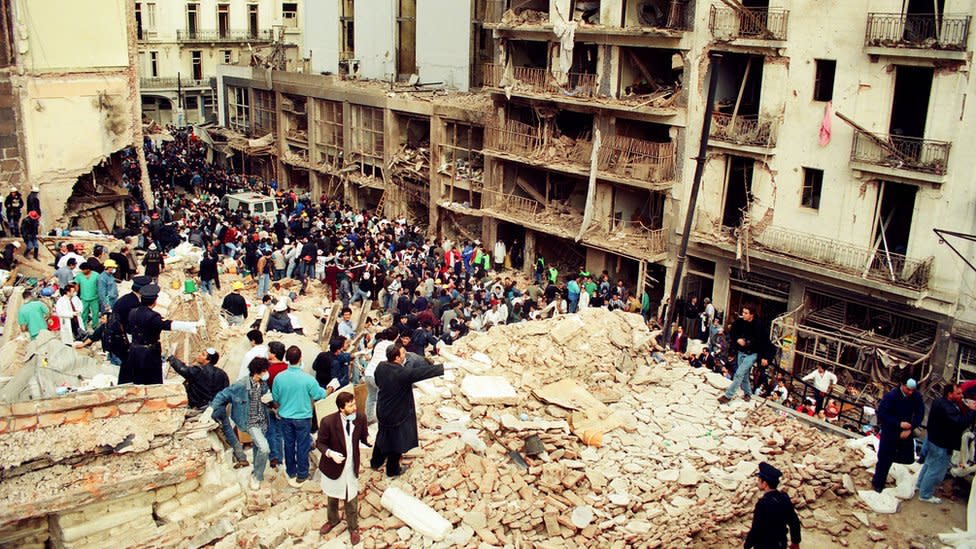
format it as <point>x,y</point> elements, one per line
<point>223,20</point>
<point>738,189</point>
<point>238,109</point>
<point>289,14</point>
<point>264,112</point>
<point>196,62</point>
<point>296,118</point>
<point>738,99</point>
<point>660,14</point>
<point>462,160</point>
<point>823,84</point>
<point>650,76</point>
<point>641,151</point>
<point>329,134</point>
<point>406,38</point>
<point>366,135</point>
<point>812,186</point>
<point>252,20</point>
<point>192,20</point>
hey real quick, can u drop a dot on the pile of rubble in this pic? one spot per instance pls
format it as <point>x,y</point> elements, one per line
<point>524,17</point>
<point>666,465</point>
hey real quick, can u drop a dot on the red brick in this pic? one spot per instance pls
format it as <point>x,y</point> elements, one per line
<point>82,415</point>
<point>130,407</point>
<point>176,401</point>
<point>51,419</point>
<point>154,405</point>
<point>24,423</point>
<point>99,412</point>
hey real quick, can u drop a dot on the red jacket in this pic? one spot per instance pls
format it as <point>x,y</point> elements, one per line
<point>332,437</point>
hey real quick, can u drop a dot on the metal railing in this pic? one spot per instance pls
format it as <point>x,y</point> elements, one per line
<point>904,153</point>
<point>753,23</point>
<point>920,31</point>
<point>744,130</point>
<point>633,235</point>
<point>831,254</point>
<point>150,83</point>
<point>512,204</point>
<point>513,137</point>
<point>638,159</point>
<point>226,36</point>
<point>540,80</point>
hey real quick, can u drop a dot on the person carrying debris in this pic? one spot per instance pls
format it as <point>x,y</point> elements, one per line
<point>395,409</point>
<point>144,364</point>
<point>900,412</point>
<point>749,342</point>
<point>774,514</point>
<point>339,437</point>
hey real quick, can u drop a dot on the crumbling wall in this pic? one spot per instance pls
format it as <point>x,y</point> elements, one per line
<point>11,153</point>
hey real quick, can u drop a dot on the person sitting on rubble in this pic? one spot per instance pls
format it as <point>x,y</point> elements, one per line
<point>703,359</point>
<point>8,260</point>
<point>252,419</point>
<point>202,379</point>
<point>777,391</point>
<point>279,321</point>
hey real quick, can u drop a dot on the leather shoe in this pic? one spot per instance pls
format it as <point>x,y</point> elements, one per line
<point>326,528</point>
<point>354,537</point>
<point>723,399</point>
<point>747,398</point>
<point>273,464</point>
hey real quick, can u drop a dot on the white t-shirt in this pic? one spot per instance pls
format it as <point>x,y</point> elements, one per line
<point>379,355</point>
<point>821,382</point>
<point>254,352</point>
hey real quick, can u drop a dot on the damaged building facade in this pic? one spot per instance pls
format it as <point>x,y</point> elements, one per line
<point>67,113</point>
<point>181,44</point>
<point>569,129</point>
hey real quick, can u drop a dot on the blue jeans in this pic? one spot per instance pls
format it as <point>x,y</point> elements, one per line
<point>260,447</point>
<point>279,274</point>
<point>573,302</point>
<point>934,470</point>
<point>220,416</point>
<point>743,373</point>
<point>207,286</point>
<point>264,282</point>
<point>298,441</point>
<point>275,442</point>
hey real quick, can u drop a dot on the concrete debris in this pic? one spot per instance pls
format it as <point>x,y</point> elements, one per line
<point>416,514</point>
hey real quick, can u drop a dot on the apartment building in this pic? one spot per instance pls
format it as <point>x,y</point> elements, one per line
<point>67,112</point>
<point>834,150</point>
<point>182,43</point>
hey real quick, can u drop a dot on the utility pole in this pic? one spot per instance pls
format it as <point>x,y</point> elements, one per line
<point>715,62</point>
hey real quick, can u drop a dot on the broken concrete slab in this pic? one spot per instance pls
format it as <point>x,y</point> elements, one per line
<point>488,390</point>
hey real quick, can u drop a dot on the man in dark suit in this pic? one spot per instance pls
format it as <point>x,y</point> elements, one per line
<point>338,433</point>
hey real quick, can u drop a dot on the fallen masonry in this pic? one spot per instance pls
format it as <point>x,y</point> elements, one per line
<point>632,454</point>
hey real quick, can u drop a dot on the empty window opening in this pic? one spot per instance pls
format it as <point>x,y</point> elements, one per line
<point>587,11</point>
<point>650,73</point>
<point>823,83</point>
<point>526,53</point>
<point>662,14</point>
<point>196,62</point>
<point>347,30</point>
<point>739,84</point>
<point>139,21</point>
<point>910,105</point>
<point>252,20</point>
<point>406,38</point>
<point>329,134</point>
<point>812,187</point>
<point>738,189</point>
<point>896,207</point>
<point>462,161</point>
<point>223,20</point>
<point>575,125</point>
<point>154,64</point>
<point>648,131</point>
<point>921,23</point>
<point>366,134</point>
<point>227,56</point>
<point>635,210</point>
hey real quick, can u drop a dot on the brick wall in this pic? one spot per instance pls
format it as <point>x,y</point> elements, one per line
<point>11,155</point>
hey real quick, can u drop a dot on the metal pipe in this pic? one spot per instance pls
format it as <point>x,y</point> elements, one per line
<point>715,62</point>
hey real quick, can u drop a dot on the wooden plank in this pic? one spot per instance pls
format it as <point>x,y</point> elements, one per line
<point>326,334</point>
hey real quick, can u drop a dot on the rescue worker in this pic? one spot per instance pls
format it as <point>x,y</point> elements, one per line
<point>773,515</point>
<point>144,365</point>
<point>13,205</point>
<point>108,290</point>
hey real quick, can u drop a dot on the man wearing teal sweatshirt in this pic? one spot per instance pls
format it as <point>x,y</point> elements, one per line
<point>294,391</point>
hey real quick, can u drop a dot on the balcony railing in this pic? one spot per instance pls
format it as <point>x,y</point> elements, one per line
<point>904,153</point>
<point>744,130</point>
<point>226,36</point>
<point>753,23</point>
<point>523,140</point>
<point>513,204</point>
<point>918,31</point>
<point>638,159</point>
<point>868,263</point>
<point>172,83</point>
<point>541,81</point>
<point>632,236</point>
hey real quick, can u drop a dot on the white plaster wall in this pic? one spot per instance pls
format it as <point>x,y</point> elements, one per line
<point>443,42</point>
<point>322,35</point>
<point>375,36</point>
<point>80,35</point>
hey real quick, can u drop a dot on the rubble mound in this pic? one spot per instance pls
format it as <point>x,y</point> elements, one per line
<point>666,465</point>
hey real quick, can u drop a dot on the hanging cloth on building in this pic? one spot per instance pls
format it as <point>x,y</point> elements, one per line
<point>825,124</point>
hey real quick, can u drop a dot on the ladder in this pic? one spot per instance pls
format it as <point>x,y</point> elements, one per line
<point>380,204</point>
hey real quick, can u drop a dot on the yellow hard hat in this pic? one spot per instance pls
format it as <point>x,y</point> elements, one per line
<point>111,264</point>
<point>237,285</point>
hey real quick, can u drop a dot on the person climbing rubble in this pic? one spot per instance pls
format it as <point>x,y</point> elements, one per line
<point>202,379</point>
<point>750,343</point>
<point>900,412</point>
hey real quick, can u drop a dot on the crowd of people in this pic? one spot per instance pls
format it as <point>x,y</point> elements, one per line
<point>435,291</point>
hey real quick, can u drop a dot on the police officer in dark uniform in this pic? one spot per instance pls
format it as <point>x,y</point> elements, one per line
<point>773,515</point>
<point>144,365</point>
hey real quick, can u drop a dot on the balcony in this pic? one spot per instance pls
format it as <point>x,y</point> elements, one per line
<point>934,35</point>
<point>632,239</point>
<point>748,131</point>
<point>897,155</point>
<point>637,161</point>
<point>556,219</point>
<point>526,143</point>
<point>540,81</point>
<point>763,24</point>
<point>225,36</point>
<point>172,83</point>
<point>867,263</point>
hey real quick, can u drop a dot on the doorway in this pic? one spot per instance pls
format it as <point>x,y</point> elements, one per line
<point>738,189</point>
<point>910,105</point>
<point>893,224</point>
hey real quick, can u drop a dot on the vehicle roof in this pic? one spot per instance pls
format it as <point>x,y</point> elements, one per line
<point>249,196</point>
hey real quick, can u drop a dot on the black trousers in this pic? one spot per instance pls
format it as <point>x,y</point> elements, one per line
<point>392,462</point>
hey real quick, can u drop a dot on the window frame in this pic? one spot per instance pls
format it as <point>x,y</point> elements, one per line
<point>812,188</point>
<point>821,91</point>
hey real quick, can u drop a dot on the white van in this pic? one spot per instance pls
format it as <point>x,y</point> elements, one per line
<point>252,204</point>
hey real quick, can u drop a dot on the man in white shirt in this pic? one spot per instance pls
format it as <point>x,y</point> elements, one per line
<point>339,437</point>
<point>258,349</point>
<point>823,381</point>
<point>383,340</point>
<point>345,327</point>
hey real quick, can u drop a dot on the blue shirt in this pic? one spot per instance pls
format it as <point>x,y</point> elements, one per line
<point>294,391</point>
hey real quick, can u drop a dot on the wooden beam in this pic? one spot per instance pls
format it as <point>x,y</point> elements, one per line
<point>884,144</point>
<point>643,69</point>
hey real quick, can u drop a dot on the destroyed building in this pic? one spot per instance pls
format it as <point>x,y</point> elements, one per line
<point>181,44</point>
<point>68,114</point>
<point>570,128</point>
